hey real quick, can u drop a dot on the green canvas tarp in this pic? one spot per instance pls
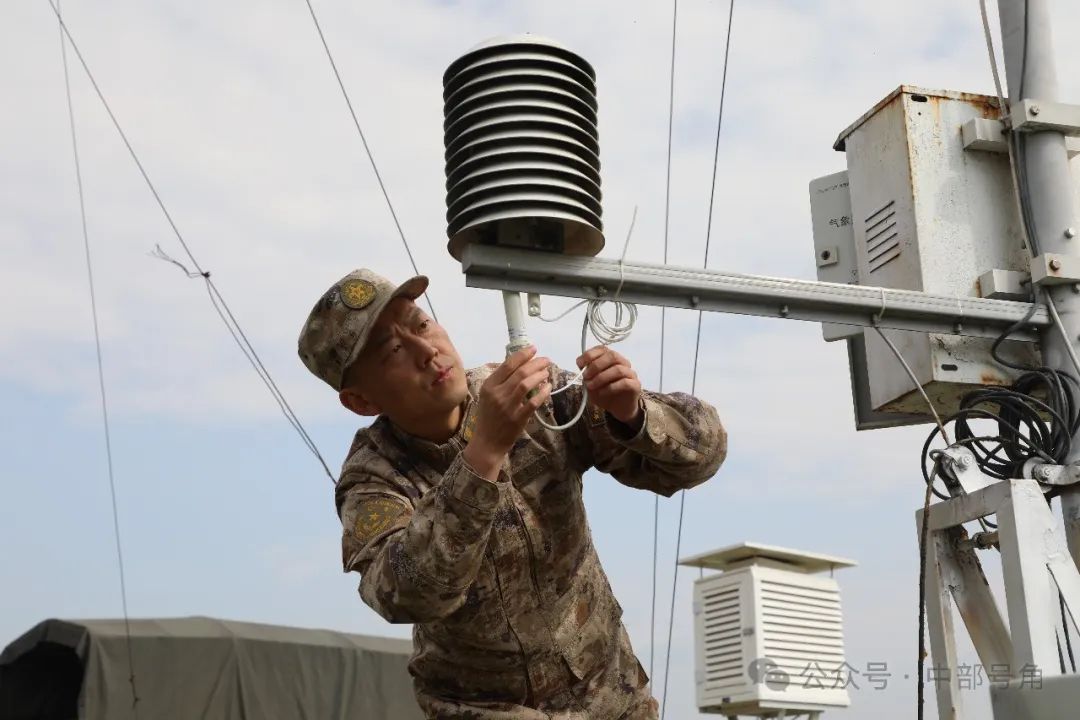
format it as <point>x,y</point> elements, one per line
<point>203,668</point>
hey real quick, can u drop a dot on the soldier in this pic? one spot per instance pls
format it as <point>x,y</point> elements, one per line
<point>464,515</point>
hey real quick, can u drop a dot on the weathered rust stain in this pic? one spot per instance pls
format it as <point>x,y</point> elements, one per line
<point>990,378</point>
<point>985,104</point>
<point>933,104</point>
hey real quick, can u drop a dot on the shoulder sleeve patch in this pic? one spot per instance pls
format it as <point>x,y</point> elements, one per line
<point>375,514</point>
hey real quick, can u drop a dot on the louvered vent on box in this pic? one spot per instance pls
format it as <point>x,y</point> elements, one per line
<point>768,632</point>
<point>882,237</point>
<point>522,148</point>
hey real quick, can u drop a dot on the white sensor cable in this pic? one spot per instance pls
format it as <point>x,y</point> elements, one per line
<point>605,331</point>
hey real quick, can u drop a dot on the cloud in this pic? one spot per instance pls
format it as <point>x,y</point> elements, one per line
<point>239,121</point>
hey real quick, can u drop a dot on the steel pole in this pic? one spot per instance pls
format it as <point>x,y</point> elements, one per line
<point>1027,41</point>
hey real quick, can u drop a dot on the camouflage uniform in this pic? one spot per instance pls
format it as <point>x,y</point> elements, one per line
<point>511,605</point>
<point>514,617</point>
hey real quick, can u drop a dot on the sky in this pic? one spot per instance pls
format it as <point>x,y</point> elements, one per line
<point>237,117</point>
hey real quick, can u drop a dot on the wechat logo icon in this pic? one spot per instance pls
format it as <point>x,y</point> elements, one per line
<point>766,671</point>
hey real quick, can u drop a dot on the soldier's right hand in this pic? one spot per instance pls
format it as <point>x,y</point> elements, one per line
<point>504,406</point>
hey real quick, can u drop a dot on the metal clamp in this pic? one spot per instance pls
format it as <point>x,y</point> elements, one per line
<point>1056,475</point>
<point>966,469</point>
<point>1004,285</point>
<point>1038,116</point>
<point>988,135</point>
<point>979,541</point>
<point>1055,269</point>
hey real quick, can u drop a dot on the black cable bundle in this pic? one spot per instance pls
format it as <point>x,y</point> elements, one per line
<point>1036,417</point>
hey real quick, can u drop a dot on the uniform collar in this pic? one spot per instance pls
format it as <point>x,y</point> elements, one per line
<point>441,454</point>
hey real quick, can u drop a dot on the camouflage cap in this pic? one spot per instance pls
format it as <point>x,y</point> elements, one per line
<point>339,324</point>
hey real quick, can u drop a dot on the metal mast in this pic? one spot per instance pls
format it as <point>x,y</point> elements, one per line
<point>1042,163</point>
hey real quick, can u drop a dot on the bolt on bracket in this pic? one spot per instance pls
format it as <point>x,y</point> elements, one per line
<point>1039,116</point>
<point>1055,269</point>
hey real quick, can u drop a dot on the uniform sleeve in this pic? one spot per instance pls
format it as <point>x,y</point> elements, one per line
<point>418,558</point>
<point>681,442</point>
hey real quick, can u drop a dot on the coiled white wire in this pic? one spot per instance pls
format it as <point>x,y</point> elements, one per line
<point>605,331</point>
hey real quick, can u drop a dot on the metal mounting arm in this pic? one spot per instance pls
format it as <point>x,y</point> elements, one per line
<point>498,268</point>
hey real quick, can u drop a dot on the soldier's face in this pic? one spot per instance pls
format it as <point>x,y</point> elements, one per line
<point>409,369</point>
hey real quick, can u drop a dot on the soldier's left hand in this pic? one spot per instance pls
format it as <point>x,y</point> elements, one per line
<point>613,385</point>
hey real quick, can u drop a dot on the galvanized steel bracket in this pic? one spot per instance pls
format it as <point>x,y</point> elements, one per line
<point>988,135</point>
<point>1055,269</point>
<point>1056,475</point>
<point>1004,285</point>
<point>966,469</point>
<point>1037,116</point>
